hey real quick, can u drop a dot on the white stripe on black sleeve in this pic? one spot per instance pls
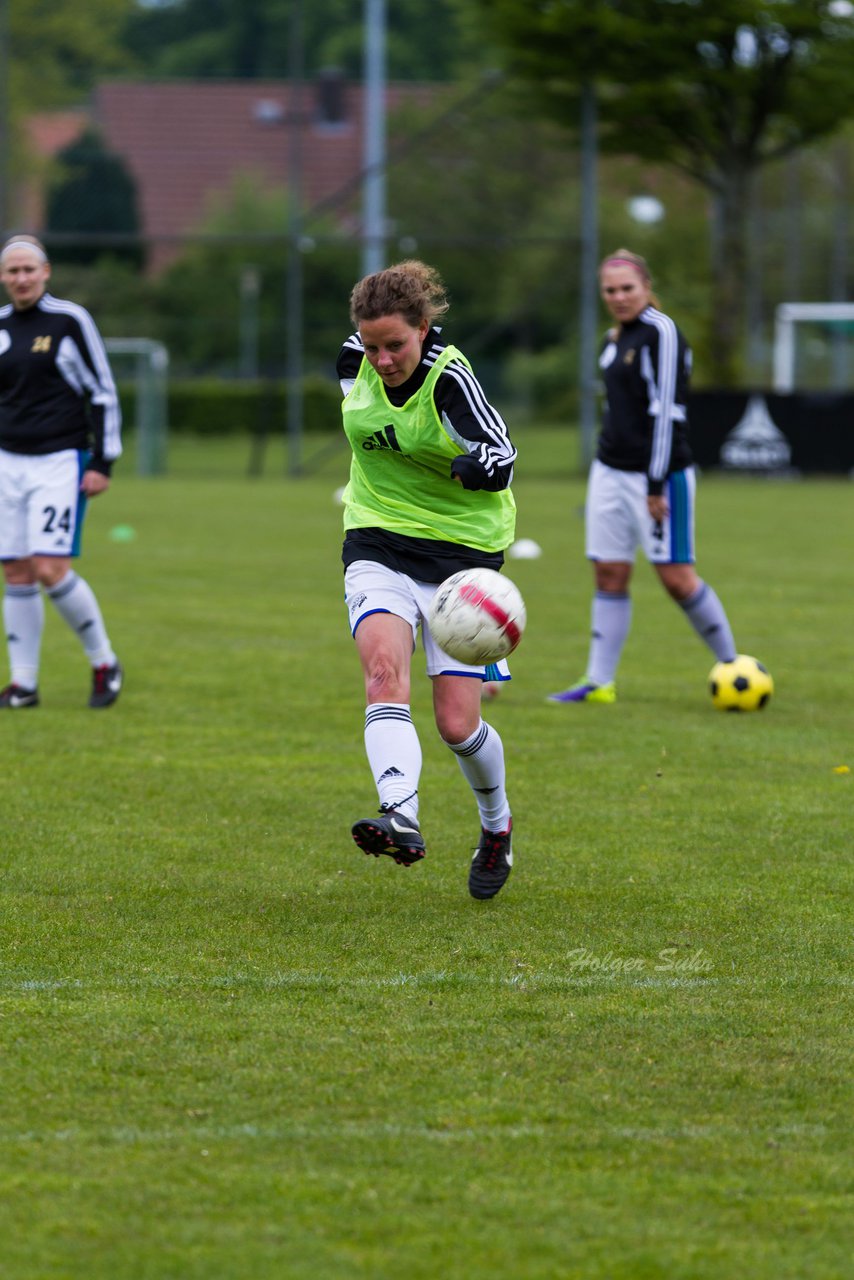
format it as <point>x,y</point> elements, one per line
<point>668,355</point>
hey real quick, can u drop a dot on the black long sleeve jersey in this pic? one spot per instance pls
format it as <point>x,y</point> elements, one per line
<point>646,365</point>
<point>56,388</point>
<point>488,462</point>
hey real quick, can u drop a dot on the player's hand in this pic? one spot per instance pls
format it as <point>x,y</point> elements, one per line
<point>93,483</point>
<point>656,505</point>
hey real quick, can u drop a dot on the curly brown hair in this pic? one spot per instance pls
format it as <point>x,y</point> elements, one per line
<point>410,289</point>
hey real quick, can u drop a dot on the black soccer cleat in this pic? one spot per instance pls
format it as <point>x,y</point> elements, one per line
<point>106,685</point>
<point>492,863</point>
<point>391,833</point>
<point>14,696</point>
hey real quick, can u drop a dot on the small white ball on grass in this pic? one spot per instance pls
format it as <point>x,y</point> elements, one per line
<point>525,549</point>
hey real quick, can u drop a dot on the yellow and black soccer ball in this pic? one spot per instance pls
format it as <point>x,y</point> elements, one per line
<point>741,685</point>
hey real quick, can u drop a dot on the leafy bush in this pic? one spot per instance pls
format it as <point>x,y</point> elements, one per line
<point>214,407</point>
<point>544,384</point>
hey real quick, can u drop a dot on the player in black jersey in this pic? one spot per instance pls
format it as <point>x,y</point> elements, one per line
<point>59,436</point>
<point>642,483</point>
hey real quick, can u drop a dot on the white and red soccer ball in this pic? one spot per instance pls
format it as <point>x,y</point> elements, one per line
<point>477,616</point>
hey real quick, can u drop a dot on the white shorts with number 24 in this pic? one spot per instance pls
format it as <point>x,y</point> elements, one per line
<point>41,506</point>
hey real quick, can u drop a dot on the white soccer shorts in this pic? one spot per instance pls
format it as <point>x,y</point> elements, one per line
<point>618,522</point>
<point>373,588</point>
<point>41,506</point>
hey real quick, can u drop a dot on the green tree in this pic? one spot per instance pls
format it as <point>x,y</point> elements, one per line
<point>51,56</point>
<point>198,298</point>
<point>478,191</point>
<point>58,48</point>
<point>93,194</point>
<point>716,88</point>
<point>249,39</point>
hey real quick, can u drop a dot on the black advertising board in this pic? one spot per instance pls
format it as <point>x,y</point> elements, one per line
<point>763,431</point>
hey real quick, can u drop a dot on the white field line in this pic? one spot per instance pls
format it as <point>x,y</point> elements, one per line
<point>205,1136</point>
<point>522,981</point>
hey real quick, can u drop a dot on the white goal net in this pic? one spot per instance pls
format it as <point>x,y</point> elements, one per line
<point>814,346</point>
<point>145,363</point>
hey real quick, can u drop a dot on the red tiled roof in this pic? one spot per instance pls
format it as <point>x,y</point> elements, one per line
<point>183,141</point>
<point>51,131</point>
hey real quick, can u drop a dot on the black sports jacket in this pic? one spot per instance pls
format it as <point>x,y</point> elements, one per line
<point>56,387</point>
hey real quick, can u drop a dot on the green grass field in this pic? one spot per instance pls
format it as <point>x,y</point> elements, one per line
<point>234,1048</point>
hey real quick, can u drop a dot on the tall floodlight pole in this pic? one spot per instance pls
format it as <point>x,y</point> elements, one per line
<point>589,297</point>
<point>753,283</point>
<point>293,284</point>
<point>792,237</point>
<point>5,131</point>
<point>839,260</point>
<point>374,154</point>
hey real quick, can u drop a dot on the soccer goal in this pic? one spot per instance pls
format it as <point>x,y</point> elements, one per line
<point>824,357</point>
<point>148,365</point>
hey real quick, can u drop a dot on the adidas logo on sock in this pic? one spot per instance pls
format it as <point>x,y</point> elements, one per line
<point>390,773</point>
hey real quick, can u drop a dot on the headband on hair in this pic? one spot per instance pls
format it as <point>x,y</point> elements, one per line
<point>23,244</point>
<point>626,262</point>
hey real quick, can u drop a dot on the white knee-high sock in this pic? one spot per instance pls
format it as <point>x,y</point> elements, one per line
<point>481,759</point>
<point>394,754</point>
<point>23,619</point>
<point>75,601</point>
<point>610,619</point>
<point>708,618</point>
